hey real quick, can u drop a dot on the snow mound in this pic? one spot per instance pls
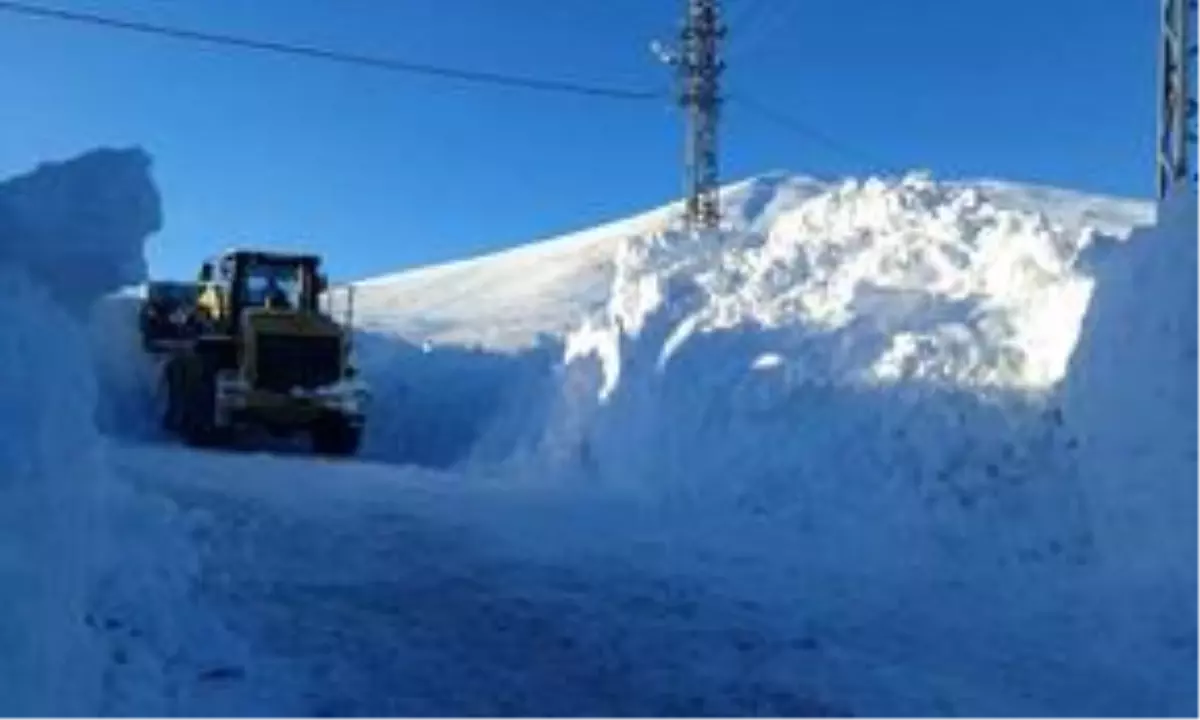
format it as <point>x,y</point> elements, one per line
<point>877,326</point>
<point>877,281</point>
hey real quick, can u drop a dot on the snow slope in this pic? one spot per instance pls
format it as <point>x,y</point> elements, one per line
<point>505,300</point>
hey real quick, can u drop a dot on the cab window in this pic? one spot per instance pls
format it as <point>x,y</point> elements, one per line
<point>278,286</point>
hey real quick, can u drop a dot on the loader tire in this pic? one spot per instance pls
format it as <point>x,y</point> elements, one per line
<point>336,436</point>
<point>197,400</point>
<point>167,401</point>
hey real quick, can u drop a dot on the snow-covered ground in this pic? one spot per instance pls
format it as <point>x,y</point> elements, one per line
<point>865,451</point>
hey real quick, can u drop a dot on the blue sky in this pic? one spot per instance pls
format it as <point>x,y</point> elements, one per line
<point>383,171</point>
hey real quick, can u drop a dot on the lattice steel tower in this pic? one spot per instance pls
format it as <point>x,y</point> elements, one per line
<point>699,65</point>
<point>1176,94</point>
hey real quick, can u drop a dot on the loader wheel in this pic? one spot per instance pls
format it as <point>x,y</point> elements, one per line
<point>166,403</point>
<point>336,436</point>
<point>198,403</point>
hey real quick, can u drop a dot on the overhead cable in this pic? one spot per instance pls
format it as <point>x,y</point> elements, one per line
<point>378,63</point>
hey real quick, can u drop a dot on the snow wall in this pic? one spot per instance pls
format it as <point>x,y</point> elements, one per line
<point>434,404</point>
<point>68,232</point>
<point>1130,396</point>
<point>856,375</point>
<point>95,576</point>
<point>906,290</point>
<point>858,417</point>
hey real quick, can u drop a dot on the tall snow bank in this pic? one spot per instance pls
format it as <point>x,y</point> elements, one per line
<point>1130,397</point>
<point>852,419</point>
<point>884,349</point>
<point>68,232</point>
<point>52,488</point>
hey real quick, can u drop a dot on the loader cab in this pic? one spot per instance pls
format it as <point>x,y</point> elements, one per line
<point>237,280</point>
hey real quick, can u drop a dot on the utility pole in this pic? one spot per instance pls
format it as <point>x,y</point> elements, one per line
<point>1176,95</point>
<point>699,66</point>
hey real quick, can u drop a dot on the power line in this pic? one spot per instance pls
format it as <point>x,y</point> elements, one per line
<point>378,63</point>
<point>807,131</point>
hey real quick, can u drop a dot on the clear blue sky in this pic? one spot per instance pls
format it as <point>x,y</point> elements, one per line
<point>383,171</point>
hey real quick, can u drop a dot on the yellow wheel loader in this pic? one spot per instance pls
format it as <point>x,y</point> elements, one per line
<point>263,351</point>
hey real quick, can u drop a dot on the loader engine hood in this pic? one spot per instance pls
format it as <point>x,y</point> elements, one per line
<point>290,322</point>
<point>286,350</point>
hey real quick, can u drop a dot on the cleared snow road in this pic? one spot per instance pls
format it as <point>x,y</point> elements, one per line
<point>374,590</point>
<point>355,576</point>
